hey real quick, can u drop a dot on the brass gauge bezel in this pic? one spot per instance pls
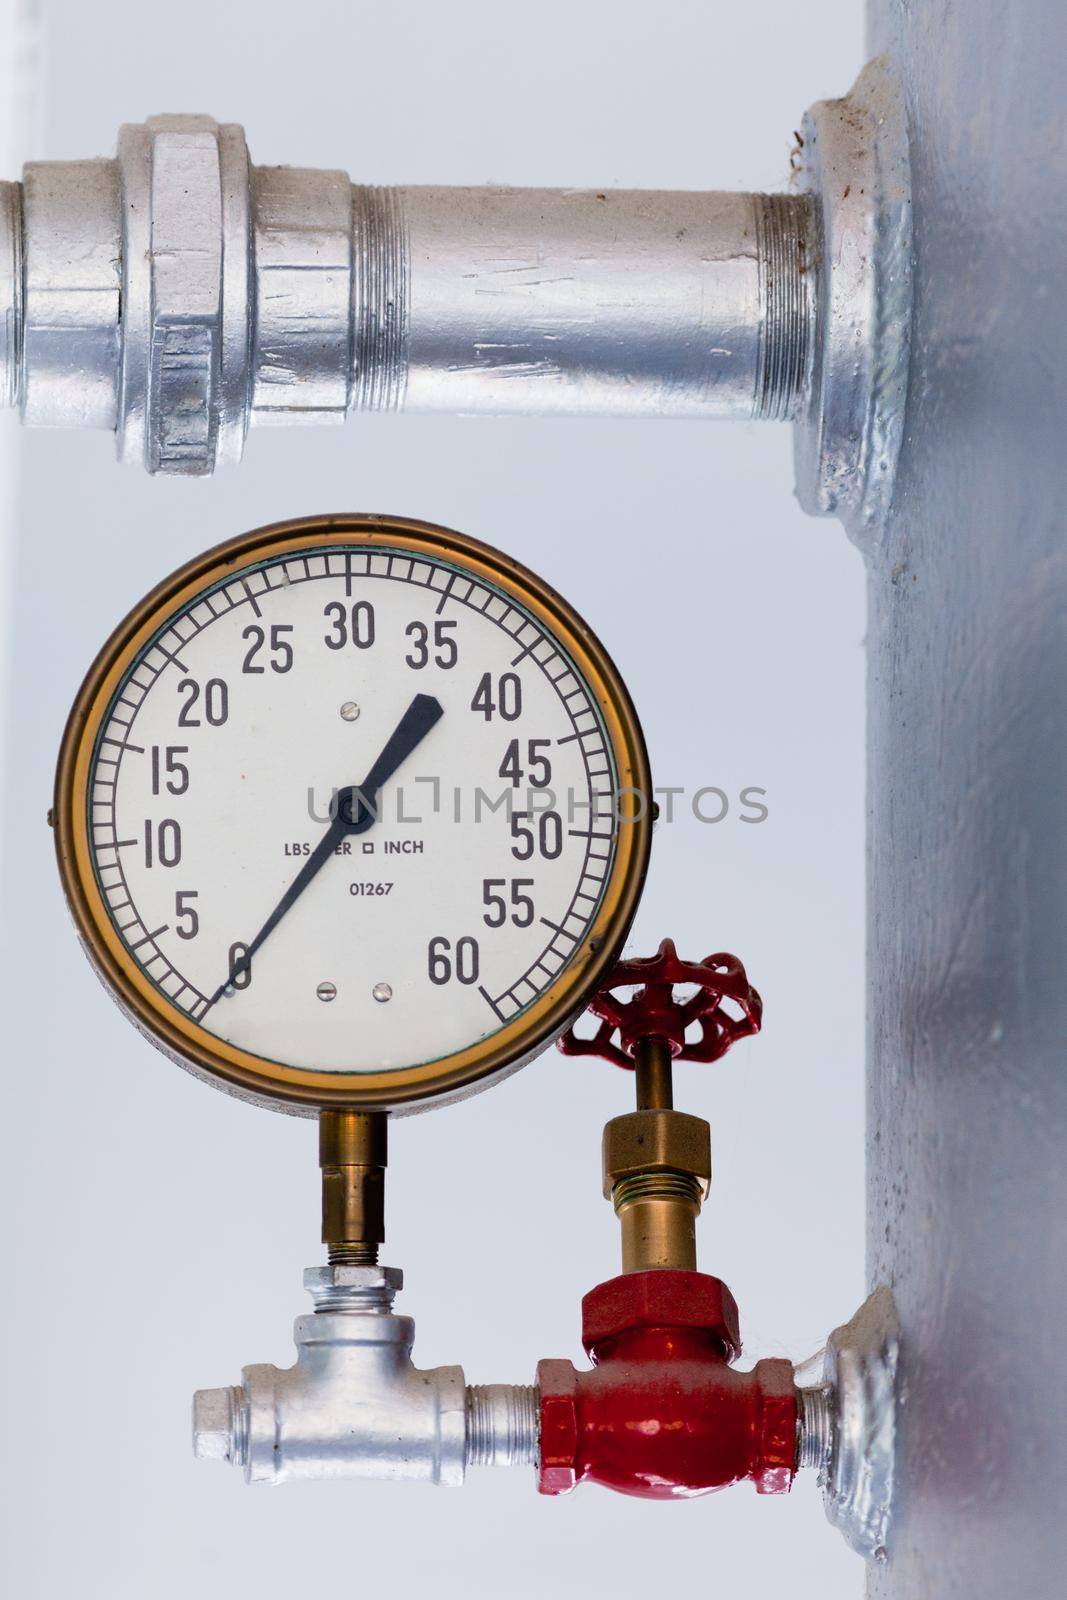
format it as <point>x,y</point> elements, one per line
<point>299,1090</point>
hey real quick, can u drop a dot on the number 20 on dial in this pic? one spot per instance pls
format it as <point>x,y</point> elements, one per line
<point>352,810</point>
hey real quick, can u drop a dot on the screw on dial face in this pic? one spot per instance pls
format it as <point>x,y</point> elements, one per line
<point>226,838</point>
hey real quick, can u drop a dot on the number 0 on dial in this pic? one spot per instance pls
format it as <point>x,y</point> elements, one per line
<point>352,811</point>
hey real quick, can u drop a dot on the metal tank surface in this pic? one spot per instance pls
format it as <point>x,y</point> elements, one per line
<point>178,294</point>
<point>967,786</point>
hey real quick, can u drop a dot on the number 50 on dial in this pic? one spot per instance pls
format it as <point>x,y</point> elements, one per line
<point>352,811</point>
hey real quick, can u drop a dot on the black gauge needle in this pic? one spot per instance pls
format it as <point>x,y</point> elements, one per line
<point>356,810</point>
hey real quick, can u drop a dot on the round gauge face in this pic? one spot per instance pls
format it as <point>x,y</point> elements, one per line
<point>352,811</point>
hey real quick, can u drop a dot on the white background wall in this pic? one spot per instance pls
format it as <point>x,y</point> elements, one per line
<point>154,1231</point>
<point>18,75</point>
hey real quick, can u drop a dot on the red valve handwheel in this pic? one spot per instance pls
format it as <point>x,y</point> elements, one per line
<point>654,1012</point>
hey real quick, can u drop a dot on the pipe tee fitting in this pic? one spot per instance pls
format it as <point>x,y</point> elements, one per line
<point>354,1405</point>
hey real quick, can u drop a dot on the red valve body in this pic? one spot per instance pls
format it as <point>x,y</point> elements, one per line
<point>662,1414</point>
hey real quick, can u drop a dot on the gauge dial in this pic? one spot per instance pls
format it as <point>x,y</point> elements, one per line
<point>352,810</point>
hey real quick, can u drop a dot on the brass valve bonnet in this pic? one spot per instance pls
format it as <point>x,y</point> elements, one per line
<point>656,1141</point>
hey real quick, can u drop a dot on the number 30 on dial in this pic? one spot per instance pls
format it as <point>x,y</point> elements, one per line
<point>352,810</point>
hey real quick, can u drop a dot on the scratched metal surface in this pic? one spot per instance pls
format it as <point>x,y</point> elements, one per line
<point>968,817</point>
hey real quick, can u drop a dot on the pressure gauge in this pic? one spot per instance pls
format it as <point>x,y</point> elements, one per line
<point>352,811</point>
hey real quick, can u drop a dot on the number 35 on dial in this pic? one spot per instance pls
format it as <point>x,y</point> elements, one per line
<point>352,810</point>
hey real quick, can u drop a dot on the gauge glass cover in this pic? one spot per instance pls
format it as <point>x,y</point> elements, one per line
<point>220,772</point>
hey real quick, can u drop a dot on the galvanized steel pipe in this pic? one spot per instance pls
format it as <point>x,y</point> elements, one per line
<point>178,294</point>
<point>597,302</point>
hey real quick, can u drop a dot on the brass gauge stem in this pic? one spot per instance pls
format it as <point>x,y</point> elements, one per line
<point>353,1151</point>
<point>657,1169</point>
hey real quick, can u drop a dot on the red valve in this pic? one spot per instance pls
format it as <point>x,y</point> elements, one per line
<point>662,1414</point>
<point>654,1012</point>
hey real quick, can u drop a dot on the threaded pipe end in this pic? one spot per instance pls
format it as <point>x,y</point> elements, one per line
<point>784,238</point>
<point>370,1302</point>
<point>658,1213</point>
<point>380,299</point>
<point>361,1254</point>
<point>241,1423</point>
<point>503,1425</point>
<point>639,1186</point>
<point>815,1428</point>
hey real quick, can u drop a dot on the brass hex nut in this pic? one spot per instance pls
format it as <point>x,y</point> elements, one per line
<point>656,1141</point>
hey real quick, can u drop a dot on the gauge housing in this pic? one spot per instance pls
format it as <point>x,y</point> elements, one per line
<point>297,1089</point>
